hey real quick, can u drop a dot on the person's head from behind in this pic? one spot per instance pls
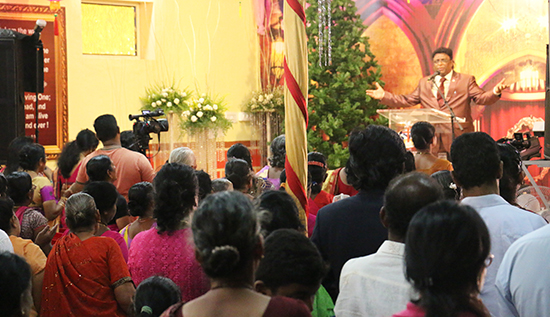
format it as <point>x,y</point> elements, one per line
<point>476,160</point>
<point>105,197</point>
<point>446,253</point>
<point>221,184</point>
<point>183,155</point>
<point>141,200</point>
<point>512,174</point>
<point>450,189</point>
<point>101,168</point>
<point>205,184</point>
<point>81,212</point>
<point>155,295</point>
<point>277,210</point>
<point>240,151</point>
<point>3,186</point>
<point>8,220</point>
<point>406,195</point>
<point>86,141</point>
<point>176,193</point>
<point>317,166</point>
<point>442,59</point>
<point>422,134</point>
<point>278,152</point>
<point>239,173</point>
<point>225,231</point>
<point>15,286</point>
<point>106,127</point>
<point>291,267</point>
<point>32,157</point>
<point>377,154</point>
<point>20,188</point>
<point>14,148</point>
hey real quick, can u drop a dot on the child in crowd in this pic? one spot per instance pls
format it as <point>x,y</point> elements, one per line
<point>141,204</point>
<point>154,295</point>
<point>292,267</point>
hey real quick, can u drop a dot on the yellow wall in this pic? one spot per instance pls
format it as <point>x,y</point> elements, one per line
<point>204,44</point>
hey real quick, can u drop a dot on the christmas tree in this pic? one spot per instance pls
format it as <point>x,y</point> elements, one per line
<point>337,101</point>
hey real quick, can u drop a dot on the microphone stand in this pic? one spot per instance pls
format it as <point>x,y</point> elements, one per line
<point>453,116</point>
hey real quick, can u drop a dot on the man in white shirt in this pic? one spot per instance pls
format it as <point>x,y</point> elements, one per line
<point>523,279</point>
<point>375,285</point>
<point>477,168</point>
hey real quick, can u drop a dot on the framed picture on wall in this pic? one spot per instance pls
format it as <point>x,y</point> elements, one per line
<point>52,103</point>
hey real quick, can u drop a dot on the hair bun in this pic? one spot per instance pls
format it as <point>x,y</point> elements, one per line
<point>223,259</point>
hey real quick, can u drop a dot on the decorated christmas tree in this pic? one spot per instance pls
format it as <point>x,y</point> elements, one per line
<point>339,74</point>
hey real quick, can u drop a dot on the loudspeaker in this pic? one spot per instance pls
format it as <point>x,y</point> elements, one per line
<point>12,113</point>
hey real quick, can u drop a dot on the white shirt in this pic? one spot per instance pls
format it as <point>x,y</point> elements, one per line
<point>5,243</point>
<point>523,279</point>
<point>446,84</point>
<point>506,224</point>
<point>374,285</point>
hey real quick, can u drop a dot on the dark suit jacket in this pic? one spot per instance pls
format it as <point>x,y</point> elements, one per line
<point>462,90</point>
<point>348,229</point>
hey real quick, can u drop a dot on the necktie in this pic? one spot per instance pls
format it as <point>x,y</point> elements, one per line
<point>442,90</point>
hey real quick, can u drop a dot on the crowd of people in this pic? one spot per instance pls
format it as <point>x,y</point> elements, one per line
<point>389,234</point>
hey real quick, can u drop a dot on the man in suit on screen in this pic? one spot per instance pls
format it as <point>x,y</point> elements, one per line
<point>458,89</point>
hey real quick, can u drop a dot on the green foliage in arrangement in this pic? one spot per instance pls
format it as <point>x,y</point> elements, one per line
<point>337,102</point>
<point>205,112</point>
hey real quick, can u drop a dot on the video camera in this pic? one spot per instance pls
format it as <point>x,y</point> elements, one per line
<point>527,146</point>
<point>148,124</point>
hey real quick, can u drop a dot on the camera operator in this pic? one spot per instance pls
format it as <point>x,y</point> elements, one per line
<point>131,167</point>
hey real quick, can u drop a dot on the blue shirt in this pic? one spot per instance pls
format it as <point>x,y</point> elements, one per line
<point>506,224</point>
<point>523,279</point>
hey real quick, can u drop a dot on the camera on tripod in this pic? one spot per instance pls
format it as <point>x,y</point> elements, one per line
<point>146,124</point>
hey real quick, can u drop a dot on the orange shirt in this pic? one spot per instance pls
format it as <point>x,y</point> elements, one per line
<point>34,256</point>
<point>131,168</point>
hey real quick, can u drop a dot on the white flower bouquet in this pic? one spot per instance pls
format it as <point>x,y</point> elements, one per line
<point>167,98</point>
<point>205,112</point>
<point>269,100</point>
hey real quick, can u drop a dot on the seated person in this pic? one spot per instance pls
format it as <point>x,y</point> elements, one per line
<point>21,192</point>
<point>101,169</point>
<point>24,248</point>
<point>205,184</point>
<point>317,166</point>
<point>447,252</point>
<point>141,204</point>
<point>374,285</point>
<point>423,137</point>
<point>291,267</point>
<point>239,173</point>
<point>15,285</point>
<point>98,282</point>
<point>105,197</point>
<point>154,295</point>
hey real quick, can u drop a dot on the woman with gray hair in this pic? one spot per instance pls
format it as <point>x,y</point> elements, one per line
<point>183,155</point>
<point>86,275</point>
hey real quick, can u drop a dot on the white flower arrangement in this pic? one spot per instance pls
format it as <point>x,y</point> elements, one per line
<point>206,112</point>
<point>165,97</point>
<point>269,100</point>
